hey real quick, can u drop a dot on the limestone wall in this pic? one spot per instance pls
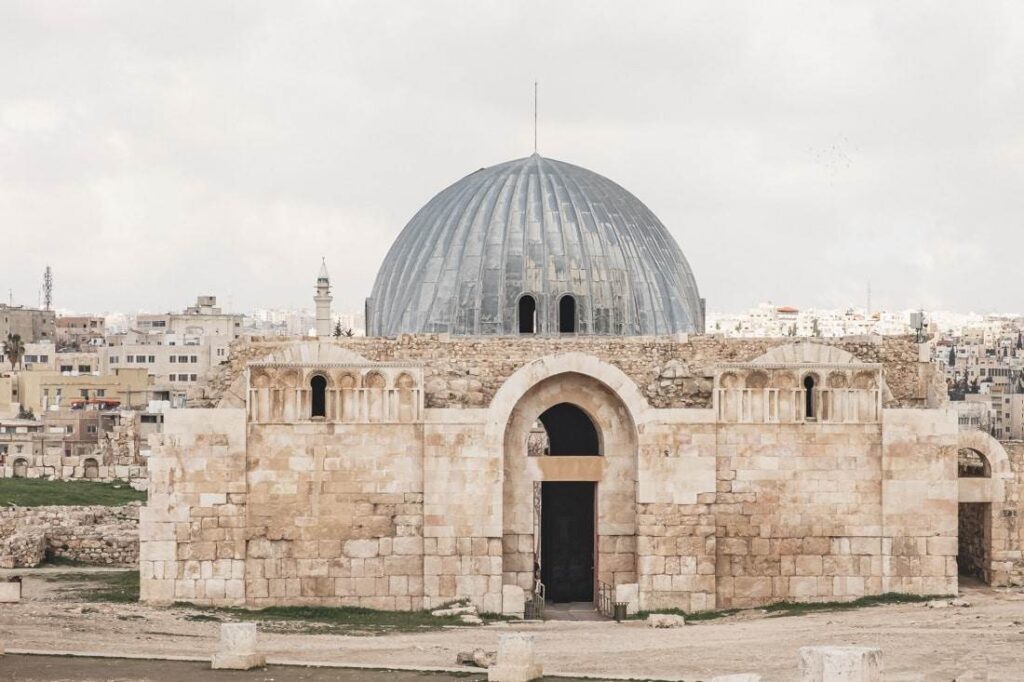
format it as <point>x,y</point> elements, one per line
<point>91,535</point>
<point>1007,523</point>
<point>919,501</point>
<point>193,527</point>
<point>335,515</point>
<point>698,512</point>
<point>467,371</point>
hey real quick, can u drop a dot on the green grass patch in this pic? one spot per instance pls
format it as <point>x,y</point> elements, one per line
<point>787,608</point>
<point>349,620</point>
<point>39,492</point>
<point>690,617</point>
<point>117,587</point>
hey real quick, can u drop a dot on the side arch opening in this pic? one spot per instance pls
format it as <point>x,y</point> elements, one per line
<point>527,314</point>
<point>567,314</point>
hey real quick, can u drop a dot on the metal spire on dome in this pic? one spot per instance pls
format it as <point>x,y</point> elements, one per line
<point>534,117</point>
<point>323,269</point>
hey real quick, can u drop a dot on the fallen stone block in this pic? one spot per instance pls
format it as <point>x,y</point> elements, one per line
<point>840,664</point>
<point>10,592</point>
<point>237,648</point>
<point>516,661</point>
<point>665,620</point>
<point>477,657</point>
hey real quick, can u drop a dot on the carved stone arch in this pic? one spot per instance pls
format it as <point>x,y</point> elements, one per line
<point>317,372</point>
<point>288,378</point>
<point>523,379</point>
<point>784,380</point>
<point>990,448</point>
<point>348,380</point>
<point>260,378</point>
<point>757,379</point>
<point>405,381</point>
<point>375,379</point>
<point>838,379</point>
<point>865,380</point>
<point>729,380</point>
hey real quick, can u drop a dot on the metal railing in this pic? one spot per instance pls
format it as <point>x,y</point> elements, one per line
<point>605,599</point>
<point>535,604</point>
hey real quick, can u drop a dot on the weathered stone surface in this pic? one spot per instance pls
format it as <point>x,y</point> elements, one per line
<point>92,535</point>
<point>513,601</point>
<point>665,620</point>
<point>840,664</point>
<point>477,657</point>
<point>238,650</point>
<point>10,592</point>
<point>516,660</point>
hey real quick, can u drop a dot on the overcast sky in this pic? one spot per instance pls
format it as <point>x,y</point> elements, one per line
<point>153,151</point>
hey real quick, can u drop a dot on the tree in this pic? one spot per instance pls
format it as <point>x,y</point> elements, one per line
<point>337,329</point>
<point>952,356</point>
<point>349,332</point>
<point>14,348</point>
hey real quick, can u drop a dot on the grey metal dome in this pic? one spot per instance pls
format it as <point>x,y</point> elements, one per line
<point>539,228</point>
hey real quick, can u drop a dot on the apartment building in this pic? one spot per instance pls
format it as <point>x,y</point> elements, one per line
<point>31,324</point>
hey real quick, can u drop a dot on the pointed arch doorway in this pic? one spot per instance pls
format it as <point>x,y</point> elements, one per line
<point>569,495</point>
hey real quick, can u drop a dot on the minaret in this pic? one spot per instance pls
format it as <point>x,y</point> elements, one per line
<point>323,302</point>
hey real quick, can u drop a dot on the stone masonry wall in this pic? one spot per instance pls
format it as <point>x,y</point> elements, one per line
<point>1008,524</point>
<point>91,535</point>
<point>466,371</point>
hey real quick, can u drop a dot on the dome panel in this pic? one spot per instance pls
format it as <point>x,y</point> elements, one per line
<point>541,228</point>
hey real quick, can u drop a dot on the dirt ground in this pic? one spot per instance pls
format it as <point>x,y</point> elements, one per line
<point>918,643</point>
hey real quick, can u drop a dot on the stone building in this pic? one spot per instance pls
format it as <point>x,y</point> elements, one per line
<point>539,417</point>
<point>33,325</point>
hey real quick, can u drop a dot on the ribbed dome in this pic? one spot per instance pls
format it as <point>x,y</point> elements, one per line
<point>541,228</point>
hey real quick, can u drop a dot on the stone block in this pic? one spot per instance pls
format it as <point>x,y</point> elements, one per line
<point>840,664</point>
<point>10,593</point>
<point>237,648</point>
<point>630,594</point>
<point>665,620</point>
<point>513,601</point>
<point>516,660</point>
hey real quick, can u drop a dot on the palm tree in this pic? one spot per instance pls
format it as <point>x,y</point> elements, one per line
<point>14,348</point>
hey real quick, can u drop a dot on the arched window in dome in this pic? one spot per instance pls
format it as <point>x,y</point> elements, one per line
<point>527,314</point>
<point>318,396</point>
<point>567,314</point>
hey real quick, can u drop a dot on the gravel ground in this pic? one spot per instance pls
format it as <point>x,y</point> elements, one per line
<point>918,643</point>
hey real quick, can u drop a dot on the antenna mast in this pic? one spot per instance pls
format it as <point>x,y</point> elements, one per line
<point>47,288</point>
<point>534,117</point>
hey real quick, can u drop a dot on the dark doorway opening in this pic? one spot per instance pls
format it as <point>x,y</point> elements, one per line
<point>318,390</point>
<point>570,431</point>
<point>567,541</point>
<point>974,540</point>
<point>567,315</point>
<point>809,396</point>
<point>527,315</point>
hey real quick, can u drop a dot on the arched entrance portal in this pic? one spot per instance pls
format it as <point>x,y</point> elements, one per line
<point>569,489</point>
<point>567,509</point>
